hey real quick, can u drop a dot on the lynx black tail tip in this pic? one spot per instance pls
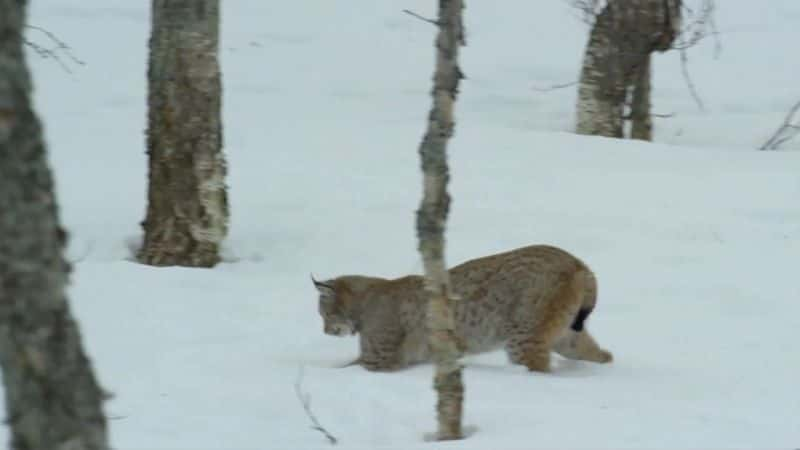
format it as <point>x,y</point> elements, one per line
<point>580,318</point>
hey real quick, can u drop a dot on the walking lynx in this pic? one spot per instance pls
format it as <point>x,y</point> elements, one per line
<point>531,300</point>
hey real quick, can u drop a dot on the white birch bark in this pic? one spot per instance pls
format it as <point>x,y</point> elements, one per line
<point>187,212</point>
<point>616,65</point>
<point>432,217</point>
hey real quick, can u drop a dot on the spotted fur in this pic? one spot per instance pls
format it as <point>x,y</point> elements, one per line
<point>530,301</point>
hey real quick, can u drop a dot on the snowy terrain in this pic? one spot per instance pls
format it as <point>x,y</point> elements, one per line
<point>694,238</point>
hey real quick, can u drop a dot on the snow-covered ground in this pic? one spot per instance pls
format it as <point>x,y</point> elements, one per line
<point>694,238</point>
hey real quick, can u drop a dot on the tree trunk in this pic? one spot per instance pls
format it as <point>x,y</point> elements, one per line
<point>641,121</point>
<point>601,90</point>
<point>187,212</point>
<point>52,398</point>
<point>432,217</point>
<point>616,65</point>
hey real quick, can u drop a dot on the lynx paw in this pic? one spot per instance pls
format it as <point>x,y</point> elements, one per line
<point>537,362</point>
<point>378,366</point>
<point>605,357</point>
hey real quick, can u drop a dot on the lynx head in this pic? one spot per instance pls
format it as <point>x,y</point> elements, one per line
<point>332,309</point>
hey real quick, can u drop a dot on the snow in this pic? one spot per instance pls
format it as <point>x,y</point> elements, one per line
<point>694,238</point>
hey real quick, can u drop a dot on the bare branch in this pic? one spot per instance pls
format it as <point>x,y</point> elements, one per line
<point>422,18</point>
<point>589,9</point>
<point>56,53</point>
<point>786,132</point>
<point>698,25</point>
<point>305,400</point>
<point>46,53</point>
<point>555,87</point>
<point>659,115</point>
<point>688,78</point>
<point>663,116</point>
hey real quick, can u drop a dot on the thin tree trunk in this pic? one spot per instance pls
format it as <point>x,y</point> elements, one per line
<point>616,65</point>
<point>641,120</point>
<point>53,400</point>
<point>432,217</point>
<point>601,89</point>
<point>187,214</point>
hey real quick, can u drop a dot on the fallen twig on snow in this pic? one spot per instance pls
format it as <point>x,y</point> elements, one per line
<point>786,132</point>
<point>305,400</point>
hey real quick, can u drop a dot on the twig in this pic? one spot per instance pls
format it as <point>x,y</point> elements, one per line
<point>588,8</point>
<point>422,18</point>
<point>660,116</point>
<point>61,47</point>
<point>555,87</point>
<point>786,132</point>
<point>305,400</point>
<point>61,44</point>
<point>688,78</point>
<point>700,25</point>
<point>46,53</point>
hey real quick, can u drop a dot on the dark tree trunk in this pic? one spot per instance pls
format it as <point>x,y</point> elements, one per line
<point>641,120</point>
<point>431,219</point>
<point>52,398</point>
<point>187,213</point>
<point>616,66</point>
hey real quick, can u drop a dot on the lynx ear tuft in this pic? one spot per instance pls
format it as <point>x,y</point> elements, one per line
<point>322,287</point>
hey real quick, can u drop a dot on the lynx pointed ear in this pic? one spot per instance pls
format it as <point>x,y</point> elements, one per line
<point>323,288</point>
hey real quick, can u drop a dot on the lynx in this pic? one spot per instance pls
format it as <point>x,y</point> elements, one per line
<point>531,300</point>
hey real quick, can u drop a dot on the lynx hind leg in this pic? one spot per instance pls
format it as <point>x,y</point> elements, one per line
<point>531,345</point>
<point>530,350</point>
<point>581,345</point>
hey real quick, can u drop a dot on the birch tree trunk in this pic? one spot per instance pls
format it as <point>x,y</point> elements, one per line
<point>52,398</point>
<point>187,212</point>
<point>641,120</point>
<point>432,217</point>
<point>616,65</point>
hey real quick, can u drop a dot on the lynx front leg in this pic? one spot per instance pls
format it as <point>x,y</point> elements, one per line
<point>581,345</point>
<point>380,352</point>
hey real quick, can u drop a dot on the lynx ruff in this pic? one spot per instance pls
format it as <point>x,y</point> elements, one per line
<point>530,300</point>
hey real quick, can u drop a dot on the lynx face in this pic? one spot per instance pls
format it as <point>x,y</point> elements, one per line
<point>336,322</point>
